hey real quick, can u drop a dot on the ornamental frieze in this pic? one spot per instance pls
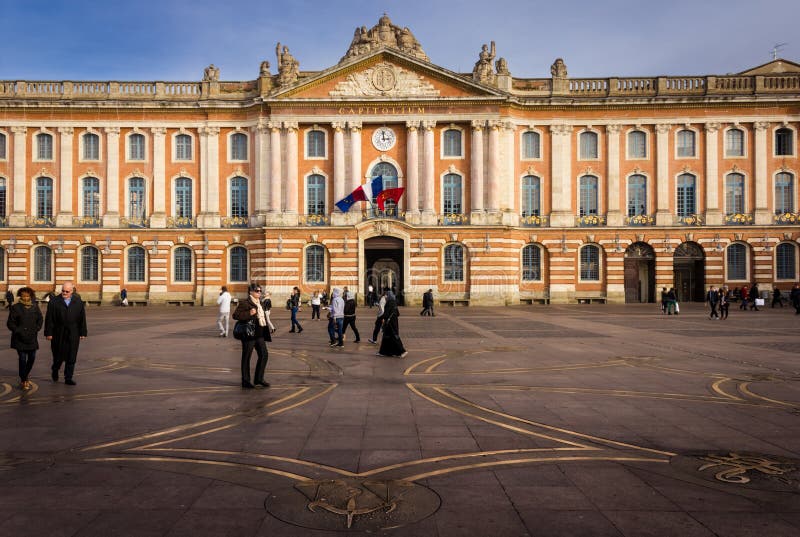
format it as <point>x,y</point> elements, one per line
<point>384,80</point>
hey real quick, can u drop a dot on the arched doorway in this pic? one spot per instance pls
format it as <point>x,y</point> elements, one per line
<point>383,257</point>
<point>640,273</point>
<point>389,173</point>
<point>688,265</point>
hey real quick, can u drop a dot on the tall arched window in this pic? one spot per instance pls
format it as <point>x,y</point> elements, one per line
<point>686,143</point>
<point>238,146</point>
<point>42,264</point>
<point>183,147</point>
<point>315,144</point>
<point>315,263</point>
<point>531,196</point>
<point>2,263</point>
<point>453,263</point>
<point>136,264</point>
<point>451,142</point>
<point>637,195</point>
<point>91,146</point>
<point>239,197</point>
<point>737,261</point>
<point>136,147</point>
<point>91,197</point>
<point>784,142</point>
<point>3,198</point>
<point>315,195</point>
<point>590,263</point>
<point>183,264</point>
<point>136,199</point>
<point>531,146</point>
<point>531,263</point>
<point>44,197</point>
<point>238,262</point>
<point>389,174</point>
<point>786,261</point>
<point>686,195</point>
<point>44,146</point>
<point>734,193</point>
<point>588,195</point>
<point>637,144</point>
<point>3,151</point>
<point>734,143</point>
<point>588,145</point>
<point>451,194</point>
<point>90,257</point>
<point>784,193</point>
<point>183,197</point>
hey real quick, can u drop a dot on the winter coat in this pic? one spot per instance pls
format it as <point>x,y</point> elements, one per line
<point>24,323</point>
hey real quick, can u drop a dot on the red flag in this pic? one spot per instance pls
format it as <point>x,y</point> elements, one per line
<point>393,194</point>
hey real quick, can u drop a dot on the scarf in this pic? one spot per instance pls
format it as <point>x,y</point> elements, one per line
<point>26,302</point>
<point>262,321</point>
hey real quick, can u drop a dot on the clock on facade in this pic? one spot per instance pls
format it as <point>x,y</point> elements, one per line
<point>383,139</point>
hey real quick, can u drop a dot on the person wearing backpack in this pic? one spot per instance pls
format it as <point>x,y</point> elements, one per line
<point>24,321</point>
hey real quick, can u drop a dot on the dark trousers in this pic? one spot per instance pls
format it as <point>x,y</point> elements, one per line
<point>723,311</point>
<point>247,351</point>
<point>64,355</point>
<point>777,300</point>
<point>294,320</point>
<point>26,359</point>
<point>743,305</point>
<point>713,310</point>
<point>351,322</point>
<point>377,329</point>
<point>314,311</point>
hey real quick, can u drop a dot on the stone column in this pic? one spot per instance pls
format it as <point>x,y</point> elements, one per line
<point>476,172</point>
<point>65,214</point>
<point>493,172</point>
<point>290,214</point>
<point>762,213</point>
<point>17,217</point>
<point>663,214</point>
<point>561,214</point>
<point>412,171</point>
<point>262,179</point>
<point>508,176</point>
<point>355,156</point>
<point>276,179</point>
<point>209,178</point>
<point>614,217</point>
<point>339,173</point>
<point>713,209</point>
<point>429,212</point>
<point>111,215</point>
<point>159,217</point>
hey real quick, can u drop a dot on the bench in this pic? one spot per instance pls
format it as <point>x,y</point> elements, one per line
<point>588,299</point>
<point>452,302</point>
<point>92,302</point>
<point>532,301</point>
<point>179,302</point>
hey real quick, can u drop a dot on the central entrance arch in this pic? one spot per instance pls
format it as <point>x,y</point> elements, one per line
<point>640,273</point>
<point>383,260</point>
<point>688,265</point>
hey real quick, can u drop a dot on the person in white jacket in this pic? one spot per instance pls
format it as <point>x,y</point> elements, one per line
<point>223,319</point>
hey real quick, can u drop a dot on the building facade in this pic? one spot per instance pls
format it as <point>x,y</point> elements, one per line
<point>517,190</point>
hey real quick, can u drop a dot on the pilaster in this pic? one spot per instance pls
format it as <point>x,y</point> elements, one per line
<point>339,167</point>
<point>290,213</point>
<point>159,217</point>
<point>65,214</point>
<point>209,216</point>
<point>428,216</point>
<point>493,172</point>
<point>111,215</point>
<point>476,171</point>
<point>275,177</point>
<point>614,216</point>
<point>412,172</point>
<point>562,214</point>
<point>355,155</point>
<point>762,213</point>
<point>17,217</point>
<point>663,214</point>
<point>262,179</point>
<point>713,212</point>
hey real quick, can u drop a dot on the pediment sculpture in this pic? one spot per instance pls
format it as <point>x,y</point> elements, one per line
<point>384,34</point>
<point>382,80</point>
<point>288,66</point>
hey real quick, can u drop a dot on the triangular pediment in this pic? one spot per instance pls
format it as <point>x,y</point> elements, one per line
<point>775,67</point>
<point>386,74</point>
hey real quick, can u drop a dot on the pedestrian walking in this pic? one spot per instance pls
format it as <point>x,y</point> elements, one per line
<point>295,307</point>
<point>427,303</point>
<point>251,311</point>
<point>224,315</point>
<point>379,318</point>
<point>712,298</point>
<point>65,327</point>
<point>391,344</point>
<point>123,298</point>
<point>745,296</point>
<point>755,295</point>
<point>794,298</point>
<point>776,297</point>
<point>724,302</point>
<point>337,316</point>
<point>316,303</point>
<point>663,300</point>
<point>370,296</point>
<point>9,298</point>
<point>24,321</point>
<point>350,317</point>
<point>672,301</point>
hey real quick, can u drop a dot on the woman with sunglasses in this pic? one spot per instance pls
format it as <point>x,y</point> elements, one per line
<point>251,311</point>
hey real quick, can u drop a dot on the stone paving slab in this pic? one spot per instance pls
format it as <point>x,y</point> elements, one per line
<point>523,421</point>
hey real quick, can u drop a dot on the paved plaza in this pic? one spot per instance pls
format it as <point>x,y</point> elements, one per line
<point>534,420</point>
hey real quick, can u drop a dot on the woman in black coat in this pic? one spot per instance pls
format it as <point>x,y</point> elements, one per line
<point>391,344</point>
<point>252,311</point>
<point>25,320</point>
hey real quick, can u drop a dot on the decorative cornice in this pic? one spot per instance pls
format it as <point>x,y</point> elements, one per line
<point>66,131</point>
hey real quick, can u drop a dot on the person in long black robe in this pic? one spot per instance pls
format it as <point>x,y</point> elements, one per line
<point>391,344</point>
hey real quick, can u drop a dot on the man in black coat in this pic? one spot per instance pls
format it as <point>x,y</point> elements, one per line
<point>65,327</point>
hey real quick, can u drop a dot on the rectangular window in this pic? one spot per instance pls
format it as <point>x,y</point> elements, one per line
<point>588,148</point>
<point>91,147</point>
<point>637,195</point>
<point>784,142</point>
<point>685,143</point>
<point>784,193</point>
<point>3,202</point>
<point>136,147</point>
<point>734,194</point>
<point>530,145</point>
<point>89,264</point>
<point>316,144</point>
<point>531,196</point>
<point>183,147</point>
<point>588,196</point>
<point>452,143</point>
<point>2,146</point>
<point>686,195</point>
<point>637,144</point>
<point>785,261</point>
<point>590,263</point>
<point>136,261</point>
<point>452,194</point>
<point>91,197</point>
<point>238,146</point>
<point>734,143</point>
<point>315,264</point>
<point>44,147</point>
<point>737,255</point>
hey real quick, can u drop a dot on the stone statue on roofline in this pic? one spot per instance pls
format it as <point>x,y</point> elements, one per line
<point>483,72</point>
<point>288,66</point>
<point>211,74</point>
<point>384,35</point>
<point>558,69</point>
<point>263,69</point>
<point>501,66</point>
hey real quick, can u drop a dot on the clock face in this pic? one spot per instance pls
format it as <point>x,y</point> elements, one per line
<point>383,139</point>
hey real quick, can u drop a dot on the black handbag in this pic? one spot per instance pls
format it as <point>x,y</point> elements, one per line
<point>244,330</point>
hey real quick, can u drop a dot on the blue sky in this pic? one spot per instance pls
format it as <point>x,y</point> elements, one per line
<point>176,39</point>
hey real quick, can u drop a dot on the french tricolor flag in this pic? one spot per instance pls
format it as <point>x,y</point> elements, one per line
<point>366,192</point>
